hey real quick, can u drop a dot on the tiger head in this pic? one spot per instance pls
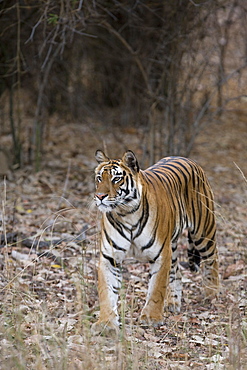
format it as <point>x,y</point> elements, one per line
<point>116,182</point>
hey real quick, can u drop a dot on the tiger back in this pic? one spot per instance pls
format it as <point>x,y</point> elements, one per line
<point>143,214</point>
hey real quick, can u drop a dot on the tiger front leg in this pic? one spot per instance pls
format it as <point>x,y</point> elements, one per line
<point>174,295</point>
<point>109,283</point>
<point>152,313</point>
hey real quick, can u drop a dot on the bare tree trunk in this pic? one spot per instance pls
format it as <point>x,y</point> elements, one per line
<point>38,125</point>
<point>14,131</point>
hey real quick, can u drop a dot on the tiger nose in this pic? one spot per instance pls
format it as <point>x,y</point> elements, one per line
<point>101,196</point>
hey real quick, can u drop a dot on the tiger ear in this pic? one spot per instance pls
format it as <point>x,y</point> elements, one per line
<point>129,159</point>
<point>101,157</point>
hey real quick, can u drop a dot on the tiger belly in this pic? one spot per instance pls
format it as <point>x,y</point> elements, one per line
<point>144,255</point>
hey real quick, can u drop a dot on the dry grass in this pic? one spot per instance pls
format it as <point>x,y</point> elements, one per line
<point>48,304</point>
<point>49,301</point>
<point>51,329</point>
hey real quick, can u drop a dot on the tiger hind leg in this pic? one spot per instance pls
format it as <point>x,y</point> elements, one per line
<point>193,255</point>
<point>202,251</point>
<point>174,294</point>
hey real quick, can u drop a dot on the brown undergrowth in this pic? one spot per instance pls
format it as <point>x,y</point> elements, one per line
<point>49,256</point>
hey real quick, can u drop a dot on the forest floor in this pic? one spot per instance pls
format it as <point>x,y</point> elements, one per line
<point>49,254</point>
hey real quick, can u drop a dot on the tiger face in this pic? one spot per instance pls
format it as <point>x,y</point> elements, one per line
<point>116,182</point>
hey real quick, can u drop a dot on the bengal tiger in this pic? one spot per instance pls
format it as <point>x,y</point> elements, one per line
<point>143,214</point>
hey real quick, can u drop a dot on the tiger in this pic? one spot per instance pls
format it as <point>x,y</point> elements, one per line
<point>143,214</point>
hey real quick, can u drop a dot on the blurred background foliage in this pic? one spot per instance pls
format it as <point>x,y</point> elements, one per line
<point>167,67</point>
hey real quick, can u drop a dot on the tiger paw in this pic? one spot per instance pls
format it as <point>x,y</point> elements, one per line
<point>211,292</point>
<point>151,318</point>
<point>174,307</point>
<point>108,328</point>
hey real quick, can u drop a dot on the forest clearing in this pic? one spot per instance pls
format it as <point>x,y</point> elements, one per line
<point>49,256</point>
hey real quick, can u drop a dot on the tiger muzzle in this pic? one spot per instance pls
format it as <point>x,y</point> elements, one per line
<point>100,196</point>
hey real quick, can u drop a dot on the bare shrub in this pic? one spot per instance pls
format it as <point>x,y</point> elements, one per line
<point>167,68</point>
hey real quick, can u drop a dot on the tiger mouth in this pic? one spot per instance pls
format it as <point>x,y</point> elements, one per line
<point>104,206</point>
